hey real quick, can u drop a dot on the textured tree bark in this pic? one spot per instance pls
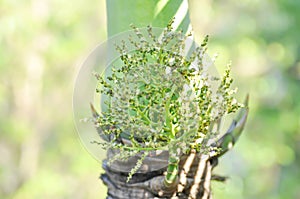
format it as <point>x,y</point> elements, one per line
<point>194,180</point>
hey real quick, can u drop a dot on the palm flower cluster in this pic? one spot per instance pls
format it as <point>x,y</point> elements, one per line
<point>160,96</point>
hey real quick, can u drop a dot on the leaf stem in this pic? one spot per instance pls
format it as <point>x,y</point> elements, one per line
<point>168,116</point>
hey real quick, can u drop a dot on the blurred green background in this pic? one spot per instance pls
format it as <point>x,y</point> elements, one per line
<point>43,43</point>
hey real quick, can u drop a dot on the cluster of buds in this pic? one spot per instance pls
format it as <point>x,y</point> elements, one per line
<point>160,96</point>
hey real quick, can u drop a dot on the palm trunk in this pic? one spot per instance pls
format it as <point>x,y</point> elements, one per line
<point>194,180</point>
<point>141,13</point>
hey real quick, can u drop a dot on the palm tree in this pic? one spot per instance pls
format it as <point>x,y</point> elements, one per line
<point>190,175</point>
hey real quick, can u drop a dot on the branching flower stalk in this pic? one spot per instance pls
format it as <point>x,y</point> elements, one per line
<point>160,98</point>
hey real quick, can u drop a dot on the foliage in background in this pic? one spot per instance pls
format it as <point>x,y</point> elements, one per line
<point>261,39</point>
<point>41,42</point>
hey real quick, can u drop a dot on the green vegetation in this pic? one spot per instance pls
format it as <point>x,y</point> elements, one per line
<point>43,43</point>
<point>160,99</point>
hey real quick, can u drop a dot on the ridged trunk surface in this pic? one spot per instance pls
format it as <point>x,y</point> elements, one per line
<point>194,178</point>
